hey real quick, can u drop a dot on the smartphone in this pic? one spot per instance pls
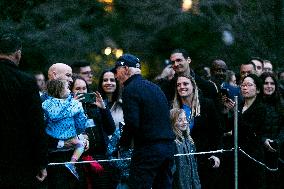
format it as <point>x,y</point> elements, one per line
<point>224,92</point>
<point>89,97</point>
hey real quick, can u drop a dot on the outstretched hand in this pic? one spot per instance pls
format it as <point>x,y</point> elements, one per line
<point>99,101</point>
<point>216,161</point>
<point>268,146</point>
<point>41,175</point>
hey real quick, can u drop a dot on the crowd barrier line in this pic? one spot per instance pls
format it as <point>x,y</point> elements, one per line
<point>176,155</point>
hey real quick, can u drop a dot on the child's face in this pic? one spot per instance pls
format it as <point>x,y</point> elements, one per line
<point>182,122</point>
<point>66,91</point>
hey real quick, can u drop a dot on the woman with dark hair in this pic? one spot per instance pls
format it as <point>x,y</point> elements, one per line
<point>109,88</point>
<point>251,121</point>
<point>100,125</point>
<point>273,131</point>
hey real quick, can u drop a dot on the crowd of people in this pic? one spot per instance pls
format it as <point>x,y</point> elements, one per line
<point>64,120</point>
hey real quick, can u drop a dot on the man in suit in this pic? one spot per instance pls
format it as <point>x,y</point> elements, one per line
<point>23,163</point>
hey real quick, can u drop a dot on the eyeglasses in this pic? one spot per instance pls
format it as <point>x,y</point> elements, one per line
<point>247,85</point>
<point>87,73</point>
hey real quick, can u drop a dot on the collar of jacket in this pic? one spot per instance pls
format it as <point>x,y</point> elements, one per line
<point>135,76</point>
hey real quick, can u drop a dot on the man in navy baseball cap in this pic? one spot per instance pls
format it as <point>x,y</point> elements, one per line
<point>128,60</point>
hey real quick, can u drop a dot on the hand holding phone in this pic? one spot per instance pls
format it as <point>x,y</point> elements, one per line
<point>224,92</point>
<point>87,97</point>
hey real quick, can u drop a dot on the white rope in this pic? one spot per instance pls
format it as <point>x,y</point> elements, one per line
<point>268,168</point>
<point>127,159</point>
<point>202,153</point>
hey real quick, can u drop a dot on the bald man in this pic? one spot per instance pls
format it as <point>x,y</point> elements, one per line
<point>218,72</point>
<point>59,176</point>
<point>60,71</point>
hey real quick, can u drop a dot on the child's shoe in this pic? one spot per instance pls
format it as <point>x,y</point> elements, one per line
<point>72,169</point>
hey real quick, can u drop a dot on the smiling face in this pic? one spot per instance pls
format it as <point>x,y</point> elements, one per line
<point>248,88</point>
<point>180,64</point>
<point>184,87</point>
<point>269,86</point>
<point>181,122</point>
<point>109,84</point>
<point>80,86</point>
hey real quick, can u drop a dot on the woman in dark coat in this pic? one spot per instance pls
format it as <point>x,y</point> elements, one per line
<point>273,131</point>
<point>100,125</point>
<point>251,121</point>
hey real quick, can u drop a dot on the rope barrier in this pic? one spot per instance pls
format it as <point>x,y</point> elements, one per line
<point>176,155</point>
<point>202,153</point>
<point>268,168</point>
<point>127,159</point>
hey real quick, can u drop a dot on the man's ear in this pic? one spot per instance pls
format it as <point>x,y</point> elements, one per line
<point>53,73</point>
<point>188,60</point>
<point>127,70</point>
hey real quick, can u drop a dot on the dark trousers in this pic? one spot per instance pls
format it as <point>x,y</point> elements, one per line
<point>151,167</point>
<point>251,174</point>
<point>59,176</point>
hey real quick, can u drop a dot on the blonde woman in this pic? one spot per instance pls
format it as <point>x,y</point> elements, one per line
<point>204,127</point>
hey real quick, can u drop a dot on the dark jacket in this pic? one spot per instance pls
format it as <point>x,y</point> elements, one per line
<point>207,131</point>
<point>98,135</point>
<point>146,113</point>
<point>274,127</point>
<point>23,139</point>
<point>251,124</point>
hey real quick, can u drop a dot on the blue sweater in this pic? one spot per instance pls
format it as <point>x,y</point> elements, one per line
<point>65,118</point>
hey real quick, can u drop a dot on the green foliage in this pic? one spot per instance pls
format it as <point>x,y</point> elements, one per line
<point>69,30</point>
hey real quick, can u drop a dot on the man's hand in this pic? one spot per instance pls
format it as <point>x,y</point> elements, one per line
<point>268,146</point>
<point>216,161</point>
<point>41,175</point>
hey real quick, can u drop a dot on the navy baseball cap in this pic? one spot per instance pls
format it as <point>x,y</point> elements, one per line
<point>128,60</point>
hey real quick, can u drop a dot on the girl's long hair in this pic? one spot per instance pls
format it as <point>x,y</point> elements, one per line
<point>180,136</point>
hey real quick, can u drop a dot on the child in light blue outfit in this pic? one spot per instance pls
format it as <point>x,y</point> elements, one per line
<point>65,118</point>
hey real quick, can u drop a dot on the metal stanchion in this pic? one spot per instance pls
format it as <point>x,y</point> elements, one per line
<point>236,142</point>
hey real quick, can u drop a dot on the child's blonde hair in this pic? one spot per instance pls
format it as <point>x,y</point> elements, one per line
<point>180,136</point>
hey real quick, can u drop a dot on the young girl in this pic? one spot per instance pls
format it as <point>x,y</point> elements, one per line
<point>186,175</point>
<point>65,119</point>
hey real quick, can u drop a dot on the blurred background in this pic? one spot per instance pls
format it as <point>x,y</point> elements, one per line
<point>101,30</point>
